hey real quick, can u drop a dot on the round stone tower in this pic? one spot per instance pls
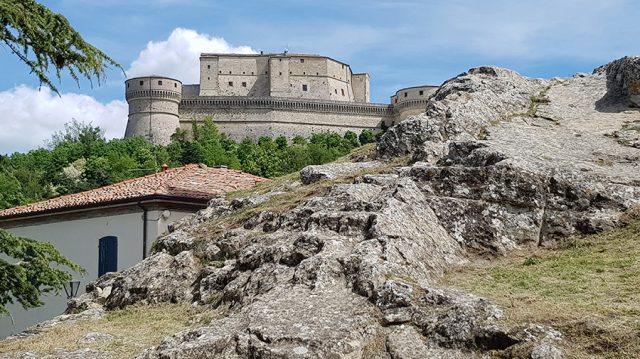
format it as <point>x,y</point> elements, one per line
<point>153,107</point>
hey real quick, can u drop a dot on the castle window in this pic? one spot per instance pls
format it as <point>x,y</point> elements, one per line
<point>405,94</point>
<point>159,82</point>
<point>175,85</point>
<point>421,93</point>
<point>317,73</point>
<point>336,91</point>
<point>141,83</point>
<point>304,87</point>
<point>252,72</point>
<point>219,72</point>
<point>280,60</point>
<point>230,83</point>
<point>128,85</point>
<point>229,72</point>
<point>244,84</point>
<point>266,72</point>
<point>243,72</point>
<point>209,67</point>
<point>302,61</point>
<point>208,78</point>
<point>281,74</point>
<point>342,90</point>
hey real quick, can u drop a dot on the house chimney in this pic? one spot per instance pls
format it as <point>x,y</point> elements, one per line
<point>164,167</point>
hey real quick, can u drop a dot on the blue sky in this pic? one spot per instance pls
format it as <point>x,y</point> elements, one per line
<point>399,43</point>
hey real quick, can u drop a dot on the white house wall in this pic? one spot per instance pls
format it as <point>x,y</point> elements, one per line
<point>78,240</point>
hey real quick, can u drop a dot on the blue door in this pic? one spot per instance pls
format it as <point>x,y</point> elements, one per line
<point>108,255</point>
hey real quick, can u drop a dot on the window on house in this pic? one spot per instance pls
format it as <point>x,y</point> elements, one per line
<point>244,84</point>
<point>342,90</point>
<point>159,82</point>
<point>230,83</point>
<point>141,83</point>
<point>421,93</point>
<point>304,87</point>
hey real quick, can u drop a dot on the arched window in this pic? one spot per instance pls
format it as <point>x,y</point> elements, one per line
<point>107,255</point>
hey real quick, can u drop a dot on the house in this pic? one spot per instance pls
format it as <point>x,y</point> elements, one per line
<point>112,228</point>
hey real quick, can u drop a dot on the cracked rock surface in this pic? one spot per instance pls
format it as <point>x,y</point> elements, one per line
<point>500,162</point>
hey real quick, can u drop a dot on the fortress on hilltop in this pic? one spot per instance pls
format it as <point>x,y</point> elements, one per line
<point>265,95</point>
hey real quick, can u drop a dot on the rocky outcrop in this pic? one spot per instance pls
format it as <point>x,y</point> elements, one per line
<point>461,109</point>
<point>311,174</point>
<point>501,162</point>
<point>623,80</point>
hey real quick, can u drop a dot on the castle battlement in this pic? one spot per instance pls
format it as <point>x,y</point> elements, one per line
<point>265,95</point>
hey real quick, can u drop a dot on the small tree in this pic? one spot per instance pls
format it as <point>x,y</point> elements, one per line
<point>352,137</point>
<point>29,273</point>
<point>366,136</point>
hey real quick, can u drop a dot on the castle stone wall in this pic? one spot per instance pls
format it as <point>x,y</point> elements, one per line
<point>153,107</point>
<point>265,95</point>
<point>360,85</point>
<point>255,123</point>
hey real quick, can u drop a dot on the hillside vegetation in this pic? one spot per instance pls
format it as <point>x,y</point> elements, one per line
<point>79,158</point>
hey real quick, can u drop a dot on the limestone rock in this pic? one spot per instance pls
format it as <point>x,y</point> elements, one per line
<point>311,174</point>
<point>160,278</point>
<point>461,109</point>
<point>503,162</point>
<point>623,80</point>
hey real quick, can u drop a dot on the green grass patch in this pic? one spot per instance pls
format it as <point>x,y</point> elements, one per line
<point>588,287</point>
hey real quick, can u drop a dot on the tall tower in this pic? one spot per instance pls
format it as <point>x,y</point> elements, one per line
<point>153,107</point>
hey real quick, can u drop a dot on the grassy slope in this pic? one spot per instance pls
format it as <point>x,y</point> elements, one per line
<point>588,287</point>
<point>135,329</point>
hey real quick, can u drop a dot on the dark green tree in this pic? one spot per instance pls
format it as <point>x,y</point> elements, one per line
<point>366,136</point>
<point>30,269</point>
<point>45,42</point>
<point>352,137</point>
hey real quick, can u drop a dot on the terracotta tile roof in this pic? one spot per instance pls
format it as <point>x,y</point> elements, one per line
<point>191,182</point>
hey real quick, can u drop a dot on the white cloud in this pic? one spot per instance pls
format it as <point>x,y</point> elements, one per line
<point>30,116</point>
<point>179,55</point>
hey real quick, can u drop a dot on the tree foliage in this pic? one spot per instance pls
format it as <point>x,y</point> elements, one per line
<point>79,158</point>
<point>45,42</point>
<point>29,272</point>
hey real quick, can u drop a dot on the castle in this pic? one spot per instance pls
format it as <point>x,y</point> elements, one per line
<point>265,95</point>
